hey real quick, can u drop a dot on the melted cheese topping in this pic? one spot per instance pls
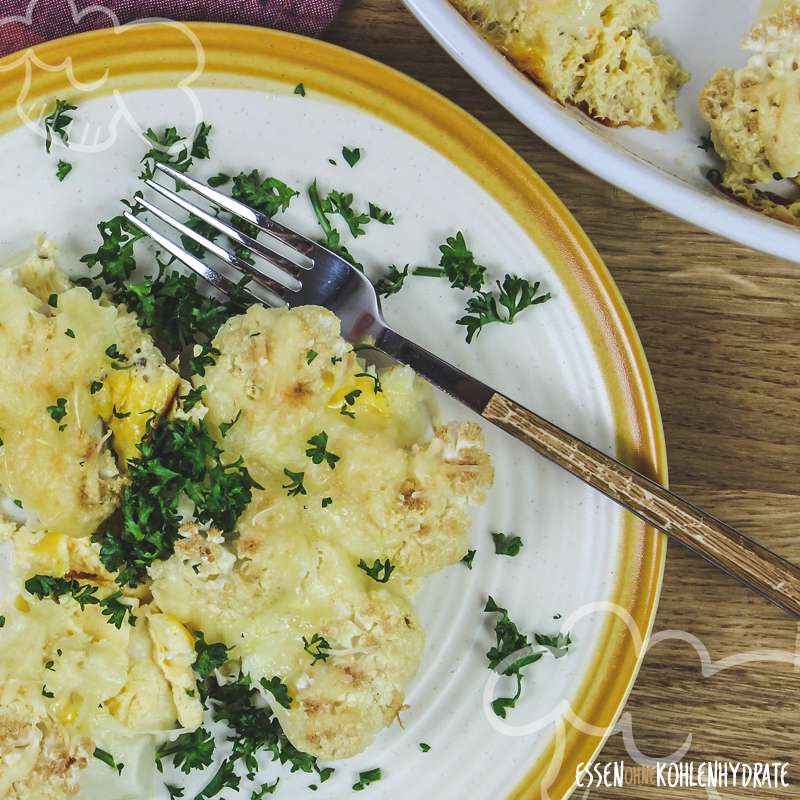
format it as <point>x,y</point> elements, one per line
<point>398,491</point>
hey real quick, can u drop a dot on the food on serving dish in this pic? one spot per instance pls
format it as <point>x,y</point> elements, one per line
<point>754,113</point>
<point>594,54</point>
<point>251,539</point>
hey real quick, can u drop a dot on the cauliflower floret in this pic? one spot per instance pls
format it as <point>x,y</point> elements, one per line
<point>39,758</point>
<point>754,114</point>
<point>342,703</point>
<point>594,54</point>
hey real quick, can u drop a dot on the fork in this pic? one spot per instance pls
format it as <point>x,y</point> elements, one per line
<point>320,277</point>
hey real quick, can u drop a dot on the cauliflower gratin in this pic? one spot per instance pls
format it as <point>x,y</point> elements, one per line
<point>754,113</point>
<point>242,547</point>
<point>593,54</point>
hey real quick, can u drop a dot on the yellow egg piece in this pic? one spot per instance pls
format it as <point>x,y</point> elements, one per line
<point>50,555</point>
<point>126,401</point>
<point>366,398</point>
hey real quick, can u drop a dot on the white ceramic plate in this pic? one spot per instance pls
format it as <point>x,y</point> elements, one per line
<point>666,169</point>
<point>576,360</point>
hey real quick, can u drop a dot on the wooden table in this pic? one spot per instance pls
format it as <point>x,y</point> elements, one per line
<point>721,327</point>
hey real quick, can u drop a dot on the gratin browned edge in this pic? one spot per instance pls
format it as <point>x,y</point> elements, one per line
<point>162,55</point>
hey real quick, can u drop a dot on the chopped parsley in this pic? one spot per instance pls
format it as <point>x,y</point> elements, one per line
<point>192,397</point>
<point>311,355</point>
<point>515,294</point>
<point>224,427</point>
<point>326,501</point>
<point>63,168</point>
<point>265,194</point>
<point>174,149</point>
<point>69,332</point>
<point>300,89</point>
<point>224,778</point>
<point>18,503</point>
<point>348,401</point>
<point>47,586</point>
<point>112,351</point>
<point>510,642</point>
<point>278,690</point>
<point>95,387</point>
<point>206,356</point>
<point>107,758</point>
<point>318,451</point>
<point>200,141</point>
<point>558,644</point>
<point>332,240</point>
<point>351,155</point>
<point>52,301</point>
<point>391,282</point>
<point>176,457</point>
<point>59,410</point>
<point>50,665</point>
<point>341,203</point>
<point>57,122</point>
<point>209,656</point>
<point>175,792</point>
<point>120,414</point>
<point>506,544</point>
<point>267,788</point>
<point>424,746</point>
<point>220,179</point>
<point>190,751</point>
<point>457,264</point>
<point>366,778</point>
<point>376,380</point>
<point>45,693</point>
<point>317,647</point>
<point>467,560</point>
<point>2,621</point>
<point>380,571</point>
<point>295,485</point>
<point>381,215</point>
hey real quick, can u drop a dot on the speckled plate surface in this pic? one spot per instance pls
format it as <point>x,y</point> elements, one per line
<point>576,359</point>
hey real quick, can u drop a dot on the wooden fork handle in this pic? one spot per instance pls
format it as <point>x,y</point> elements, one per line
<point>774,577</point>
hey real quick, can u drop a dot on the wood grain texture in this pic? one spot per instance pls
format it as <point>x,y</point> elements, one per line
<point>721,327</point>
<point>777,579</point>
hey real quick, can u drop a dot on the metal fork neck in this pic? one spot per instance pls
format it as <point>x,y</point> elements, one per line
<point>449,379</point>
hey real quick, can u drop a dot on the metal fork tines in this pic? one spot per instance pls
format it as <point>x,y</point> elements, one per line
<point>309,274</point>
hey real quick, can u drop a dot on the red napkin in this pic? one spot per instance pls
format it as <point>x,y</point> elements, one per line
<point>24,23</point>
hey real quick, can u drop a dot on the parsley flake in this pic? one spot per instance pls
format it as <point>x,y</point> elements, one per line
<point>295,485</point>
<point>209,656</point>
<point>56,123</point>
<point>467,560</point>
<point>506,544</point>
<point>224,427</point>
<point>366,778</point>
<point>300,89</point>
<point>52,301</point>
<point>63,168</point>
<point>381,215</point>
<point>278,690</point>
<point>317,647</point>
<point>351,156</point>
<point>190,751</point>
<point>380,571</point>
<point>391,282</point>
<point>424,746</point>
<point>107,758</point>
<point>220,179</point>
<point>311,355</point>
<point>59,410</point>
<point>515,295</point>
<point>318,451</point>
<point>95,387</point>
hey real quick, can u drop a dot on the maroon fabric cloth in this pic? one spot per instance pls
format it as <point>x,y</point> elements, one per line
<point>27,22</point>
